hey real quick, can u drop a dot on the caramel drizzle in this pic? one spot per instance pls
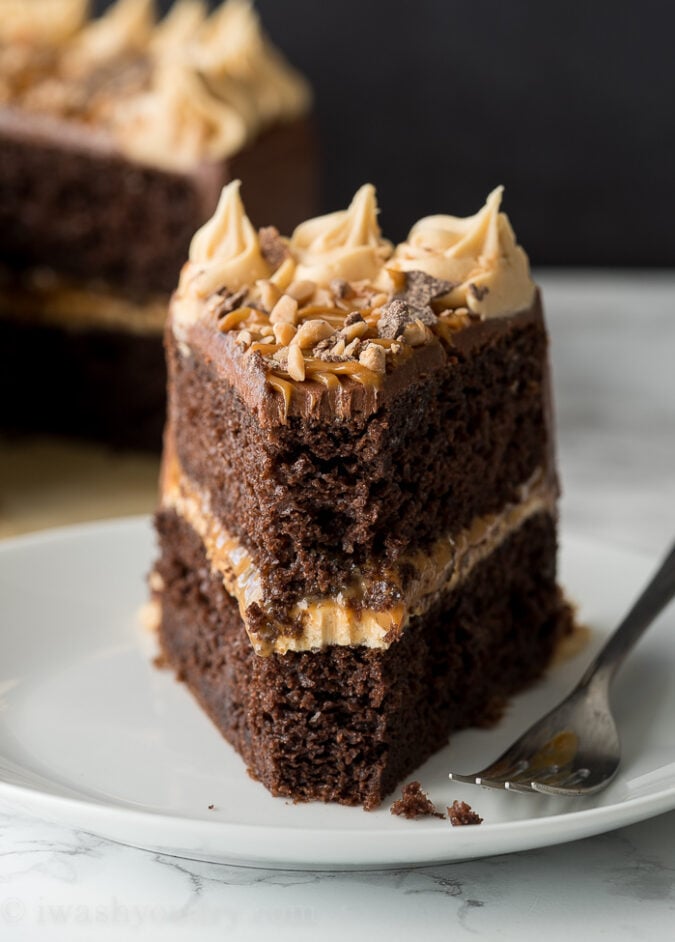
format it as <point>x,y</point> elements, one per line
<point>330,375</point>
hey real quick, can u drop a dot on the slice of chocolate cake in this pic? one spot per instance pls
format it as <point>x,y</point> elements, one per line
<point>358,512</point>
<point>117,135</point>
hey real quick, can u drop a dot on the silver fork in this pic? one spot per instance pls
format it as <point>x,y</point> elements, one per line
<point>575,750</point>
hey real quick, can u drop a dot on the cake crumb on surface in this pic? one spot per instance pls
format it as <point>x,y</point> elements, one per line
<point>460,814</point>
<point>414,803</point>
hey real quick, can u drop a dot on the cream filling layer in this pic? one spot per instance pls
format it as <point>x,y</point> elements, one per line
<point>43,298</point>
<point>336,620</point>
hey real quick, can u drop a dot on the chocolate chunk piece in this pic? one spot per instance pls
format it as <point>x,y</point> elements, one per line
<point>224,301</point>
<point>394,318</point>
<point>461,814</point>
<point>341,289</point>
<point>272,247</point>
<point>414,803</point>
<point>421,288</point>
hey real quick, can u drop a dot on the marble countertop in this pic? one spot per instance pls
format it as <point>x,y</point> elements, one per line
<point>613,340</point>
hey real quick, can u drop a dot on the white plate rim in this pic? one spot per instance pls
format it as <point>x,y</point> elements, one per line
<point>548,830</point>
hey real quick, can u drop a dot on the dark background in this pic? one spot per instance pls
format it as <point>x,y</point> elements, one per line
<point>570,105</point>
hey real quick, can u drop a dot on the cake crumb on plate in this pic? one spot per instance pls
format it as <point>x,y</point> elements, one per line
<point>415,803</point>
<point>460,814</point>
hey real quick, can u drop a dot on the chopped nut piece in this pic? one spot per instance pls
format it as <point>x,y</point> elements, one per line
<point>355,329</point>
<point>296,363</point>
<point>267,330</point>
<point>416,333</point>
<point>374,358</point>
<point>244,336</point>
<point>286,310</point>
<point>272,247</point>
<point>284,333</point>
<point>283,276</point>
<point>397,279</point>
<point>354,348</point>
<point>281,358</point>
<point>323,298</point>
<point>301,290</point>
<point>311,332</point>
<point>338,348</point>
<point>269,294</point>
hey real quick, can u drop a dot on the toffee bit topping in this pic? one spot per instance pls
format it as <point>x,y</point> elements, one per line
<point>394,318</point>
<point>461,814</point>
<point>414,803</point>
<point>354,317</point>
<point>478,292</point>
<point>272,247</point>
<point>224,302</point>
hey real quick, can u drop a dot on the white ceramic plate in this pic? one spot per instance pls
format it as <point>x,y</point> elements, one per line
<point>92,735</point>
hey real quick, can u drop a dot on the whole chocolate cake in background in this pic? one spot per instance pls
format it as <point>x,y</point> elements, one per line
<point>117,135</point>
<point>358,512</point>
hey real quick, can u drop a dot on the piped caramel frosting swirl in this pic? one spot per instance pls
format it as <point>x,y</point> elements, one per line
<point>332,304</point>
<point>232,47</point>
<point>179,27</point>
<point>478,255</point>
<point>42,24</point>
<point>347,244</point>
<point>192,87</point>
<point>226,250</point>
<point>124,29</point>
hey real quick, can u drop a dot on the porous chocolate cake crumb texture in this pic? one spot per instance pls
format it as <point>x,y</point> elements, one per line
<point>460,814</point>
<point>415,803</point>
<point>358,519</point>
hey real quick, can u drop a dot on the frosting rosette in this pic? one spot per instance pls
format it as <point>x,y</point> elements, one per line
<point>346,244</point>
<point>478,255</point>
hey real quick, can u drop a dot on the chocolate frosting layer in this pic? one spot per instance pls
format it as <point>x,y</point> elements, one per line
<point>248,373</point>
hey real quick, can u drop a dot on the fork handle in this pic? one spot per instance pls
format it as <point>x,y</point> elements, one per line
<point>651,603</point>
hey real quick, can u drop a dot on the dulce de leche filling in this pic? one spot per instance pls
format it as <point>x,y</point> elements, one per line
<point>316,623</point>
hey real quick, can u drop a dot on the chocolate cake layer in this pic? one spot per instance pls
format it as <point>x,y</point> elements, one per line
<point>102,384</point>
<point>71,201</point>
<point>347,724</point>
<point>316,500</point>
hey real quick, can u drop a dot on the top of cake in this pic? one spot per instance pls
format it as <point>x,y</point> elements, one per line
<point>193,86</point>
<point>336,305</point>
